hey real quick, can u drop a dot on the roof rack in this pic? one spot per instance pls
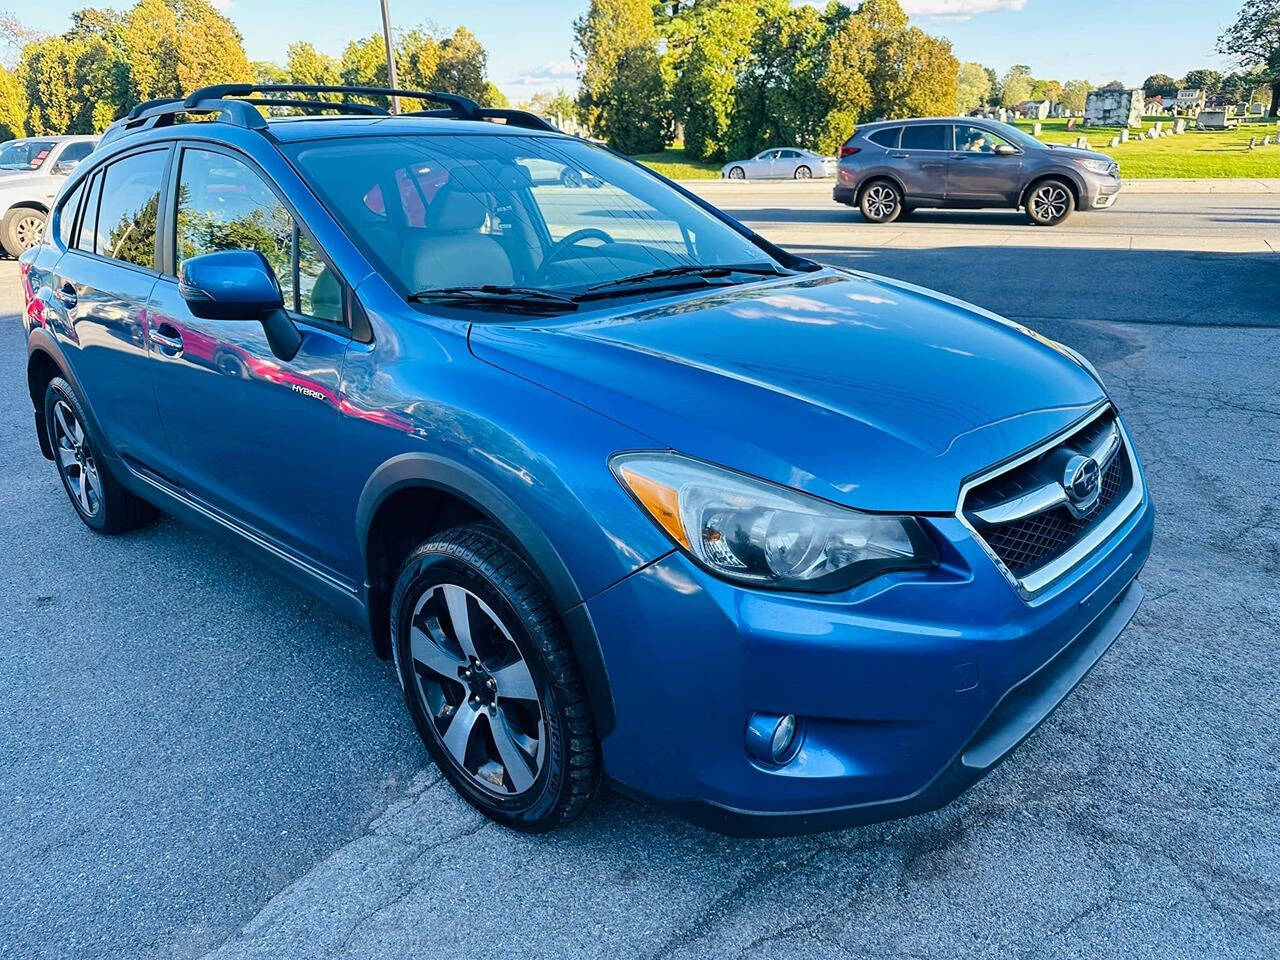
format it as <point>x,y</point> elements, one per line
<point>236,103</point>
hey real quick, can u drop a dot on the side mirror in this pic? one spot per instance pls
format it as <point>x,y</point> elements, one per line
<point>63,167</point>
<point>239,285</point>
<point>1004,150</point>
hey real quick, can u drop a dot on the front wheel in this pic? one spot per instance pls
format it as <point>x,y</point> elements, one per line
<point>21,230</point>
<point>491,682</point>
<point>1050,203</point>
<point>804,173</point>
<point>737,173</point>
<point>881,201</point>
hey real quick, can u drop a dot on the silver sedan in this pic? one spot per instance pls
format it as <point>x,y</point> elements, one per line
<point>781,163</point>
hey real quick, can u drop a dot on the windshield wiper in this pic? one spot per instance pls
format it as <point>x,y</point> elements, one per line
<point>691,270</point>
<point>528,298</point>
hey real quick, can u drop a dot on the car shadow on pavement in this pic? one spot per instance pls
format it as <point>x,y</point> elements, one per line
<point>1031,283</point>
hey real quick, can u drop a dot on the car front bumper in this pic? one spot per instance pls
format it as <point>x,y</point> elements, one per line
<point>909,688</point>
<point>1100,192</point>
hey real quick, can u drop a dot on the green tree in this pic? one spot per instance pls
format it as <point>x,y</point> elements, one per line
<point>706,88</point>
<point>848,59</point>
<point>1050,90</point>
<point>1015,87</point>
<point>1160,85</point>
<point>1254,41</point>
<point>175,46</point>
<point>13,106</point>
<point>1075,94</point>
<point>1204,79</point>
<point>973,87</point>
<point>993,98</point>
<point>622,89</point>
<point>305,64</point>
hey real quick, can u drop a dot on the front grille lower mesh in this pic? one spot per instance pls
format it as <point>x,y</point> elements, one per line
<point>1027,544</point>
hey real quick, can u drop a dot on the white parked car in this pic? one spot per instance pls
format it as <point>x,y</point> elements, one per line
<point>32,170</point>
<point>781,163</point>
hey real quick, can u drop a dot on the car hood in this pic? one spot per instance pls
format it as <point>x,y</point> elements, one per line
<point>862,390</point>
<point>1075,153</point>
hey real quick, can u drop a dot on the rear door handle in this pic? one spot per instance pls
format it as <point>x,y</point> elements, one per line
<point>168,339</point>
<point>900,156</point>
<point>66,295</point>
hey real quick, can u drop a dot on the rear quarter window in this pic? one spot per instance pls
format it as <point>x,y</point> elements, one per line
<point>887,137</point>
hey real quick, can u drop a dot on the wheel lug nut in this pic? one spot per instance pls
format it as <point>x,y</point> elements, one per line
<point>493,684</point>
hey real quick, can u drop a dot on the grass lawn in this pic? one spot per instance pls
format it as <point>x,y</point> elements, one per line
<point>674,163</point>
<point>1195,153</point>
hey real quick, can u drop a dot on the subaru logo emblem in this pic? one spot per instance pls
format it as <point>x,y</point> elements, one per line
<point>1081,481</point>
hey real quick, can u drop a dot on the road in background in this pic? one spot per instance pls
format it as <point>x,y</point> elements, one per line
<point>194,755</point>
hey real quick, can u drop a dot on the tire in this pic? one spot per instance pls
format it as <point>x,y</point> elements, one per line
<point>881,201</point>
<point>737,173</point>
<point>803,173</point>
<point>21,230</point>
<point>97,497</point>
<point>1049,202</point>
<point>514,641</point>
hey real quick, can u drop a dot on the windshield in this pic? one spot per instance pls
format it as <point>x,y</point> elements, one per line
<point>546,214</point>
<point>24,154</point>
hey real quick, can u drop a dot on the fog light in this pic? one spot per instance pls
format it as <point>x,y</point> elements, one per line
<point>770,737</point>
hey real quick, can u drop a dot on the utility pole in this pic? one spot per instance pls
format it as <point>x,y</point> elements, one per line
<point>391,55</point>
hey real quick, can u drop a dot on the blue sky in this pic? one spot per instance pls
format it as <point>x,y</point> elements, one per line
<point>529,41</point>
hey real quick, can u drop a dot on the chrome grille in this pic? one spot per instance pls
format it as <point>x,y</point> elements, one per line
<point>1028,519</point>
<point>1024,545</point>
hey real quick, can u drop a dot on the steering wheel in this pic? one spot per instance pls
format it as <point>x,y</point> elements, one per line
<point>563,246</point>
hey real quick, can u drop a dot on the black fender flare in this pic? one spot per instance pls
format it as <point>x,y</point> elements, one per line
<point>35,205</point>
<point>39,341</point>
<point>1059,173</point>
<point>881,174</point>
<point>447,476</point>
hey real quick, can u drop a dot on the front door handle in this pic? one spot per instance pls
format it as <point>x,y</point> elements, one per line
<point>168,339</point>
<point>900,156</point>
<point>66,295</point>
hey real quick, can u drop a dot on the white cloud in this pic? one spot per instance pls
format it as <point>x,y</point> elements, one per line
<point>958,9</point>
<point>560,72</point>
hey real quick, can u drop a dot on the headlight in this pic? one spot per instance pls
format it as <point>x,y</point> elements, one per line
<point>1097,166</point>
<point>762,534</point>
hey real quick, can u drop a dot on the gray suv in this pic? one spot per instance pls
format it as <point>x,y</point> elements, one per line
<point>969,162</point>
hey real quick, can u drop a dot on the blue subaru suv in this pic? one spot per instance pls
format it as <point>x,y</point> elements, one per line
<point>626,491</point>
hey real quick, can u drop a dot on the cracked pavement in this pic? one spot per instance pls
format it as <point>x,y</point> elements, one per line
<point>197,759</point>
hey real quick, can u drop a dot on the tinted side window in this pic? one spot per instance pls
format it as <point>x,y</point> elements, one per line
<point>67,214</point>
<point>929,136</point>
<point>130,202</point>
<point>89,222</point>
<point>886,138</point>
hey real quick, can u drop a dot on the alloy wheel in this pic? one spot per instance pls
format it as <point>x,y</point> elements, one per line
<point>881,201</point>
<point>1049,203</point>
<point>737,173</point>
<point>27,230</point>
<point>803,173</point>
<point>477,691</point>
<point>75,460</point>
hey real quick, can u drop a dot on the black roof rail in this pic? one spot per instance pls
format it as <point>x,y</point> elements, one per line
<point>456,105</point>
<point>164,111</point>
<point>236,102</point>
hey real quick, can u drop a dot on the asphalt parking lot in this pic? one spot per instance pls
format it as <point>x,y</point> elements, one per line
<point>196,758</point>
